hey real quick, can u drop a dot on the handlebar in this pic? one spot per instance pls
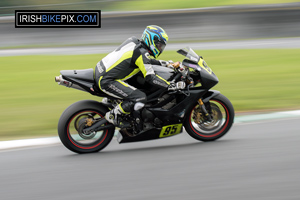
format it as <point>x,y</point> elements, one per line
<point>189,80</point>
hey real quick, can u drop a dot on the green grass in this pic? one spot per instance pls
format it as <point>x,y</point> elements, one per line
<point>31,102</point>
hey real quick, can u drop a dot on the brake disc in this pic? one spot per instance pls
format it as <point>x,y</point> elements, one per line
<point>216,121</point>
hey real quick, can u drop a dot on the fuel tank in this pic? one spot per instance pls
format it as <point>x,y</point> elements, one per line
<point>139,82</point>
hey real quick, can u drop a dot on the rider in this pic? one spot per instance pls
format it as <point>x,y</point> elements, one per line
<point>128,59</point>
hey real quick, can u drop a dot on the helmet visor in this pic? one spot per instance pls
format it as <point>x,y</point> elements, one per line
<point>160,46</point>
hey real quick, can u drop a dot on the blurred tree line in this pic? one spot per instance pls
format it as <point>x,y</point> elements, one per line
<point>8,7</point>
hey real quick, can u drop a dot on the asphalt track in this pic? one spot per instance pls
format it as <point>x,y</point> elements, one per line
<point>253,161</point>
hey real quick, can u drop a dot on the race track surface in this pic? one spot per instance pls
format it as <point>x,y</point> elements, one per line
<point>253,161</point>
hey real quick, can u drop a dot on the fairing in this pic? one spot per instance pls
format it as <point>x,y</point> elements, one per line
<point>196,64</point>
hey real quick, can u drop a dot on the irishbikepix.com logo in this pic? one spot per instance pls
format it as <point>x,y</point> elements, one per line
<point>57,19</point>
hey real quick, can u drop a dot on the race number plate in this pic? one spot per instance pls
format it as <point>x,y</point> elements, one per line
<point>170,130</point>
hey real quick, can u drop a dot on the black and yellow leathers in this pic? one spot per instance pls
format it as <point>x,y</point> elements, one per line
<point>124,62</point>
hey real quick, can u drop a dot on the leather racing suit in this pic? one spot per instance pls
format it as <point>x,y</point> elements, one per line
<point>131,57</point>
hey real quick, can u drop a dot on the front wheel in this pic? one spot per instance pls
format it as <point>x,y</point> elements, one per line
<point>222,116</point>
<point>77,117</point>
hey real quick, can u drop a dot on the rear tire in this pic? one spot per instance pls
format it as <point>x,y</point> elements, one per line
<point>223,116</point>
<point>73,118</point>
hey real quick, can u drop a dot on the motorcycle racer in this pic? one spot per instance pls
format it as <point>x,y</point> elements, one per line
<point>131,57</point>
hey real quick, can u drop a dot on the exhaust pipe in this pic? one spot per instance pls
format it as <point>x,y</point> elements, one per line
<point>68,84</point>
<point>58,78</point>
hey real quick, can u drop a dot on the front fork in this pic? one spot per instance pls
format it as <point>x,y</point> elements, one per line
<point>206,114</point>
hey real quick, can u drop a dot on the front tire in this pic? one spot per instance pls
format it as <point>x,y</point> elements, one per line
<point>222,113</point>
<point>77,116</point>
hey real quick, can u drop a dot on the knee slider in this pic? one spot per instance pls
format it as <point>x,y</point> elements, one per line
<point>138,106</point>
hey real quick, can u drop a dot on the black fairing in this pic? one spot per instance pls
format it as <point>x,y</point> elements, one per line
<point>175,115</point>
<point>208,80</point>
<point>150,134</point>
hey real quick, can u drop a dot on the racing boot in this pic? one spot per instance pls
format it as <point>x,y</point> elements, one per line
<point>137,115</point>
<point>114,117</point>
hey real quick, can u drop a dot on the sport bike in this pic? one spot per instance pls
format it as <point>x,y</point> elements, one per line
<point>205,114</point>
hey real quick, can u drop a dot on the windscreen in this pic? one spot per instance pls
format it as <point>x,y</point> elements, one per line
<point>189,53</point>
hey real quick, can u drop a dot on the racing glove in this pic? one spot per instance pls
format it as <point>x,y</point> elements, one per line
<point>180,68</point>
<point>174,65</point>
<point>170,64</point>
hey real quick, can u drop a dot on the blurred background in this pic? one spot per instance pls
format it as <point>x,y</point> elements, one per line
<point>253,46</point>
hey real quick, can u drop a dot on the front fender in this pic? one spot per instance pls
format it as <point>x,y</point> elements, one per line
<point>210,94</point>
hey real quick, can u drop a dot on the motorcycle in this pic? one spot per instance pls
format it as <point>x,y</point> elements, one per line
<point>206,114</point>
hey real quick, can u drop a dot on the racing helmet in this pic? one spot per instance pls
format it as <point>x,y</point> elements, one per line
<point>155,39</point>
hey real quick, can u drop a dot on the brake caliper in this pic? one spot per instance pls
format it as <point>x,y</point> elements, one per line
<point>89,121</point>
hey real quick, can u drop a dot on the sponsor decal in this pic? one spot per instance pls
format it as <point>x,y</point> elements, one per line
<point>203,64</point>
<point>118,90</point>
<point>99,67</point>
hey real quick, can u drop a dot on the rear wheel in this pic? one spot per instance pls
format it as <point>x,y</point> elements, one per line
<point>75,118</point>
<point>222,116</point>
